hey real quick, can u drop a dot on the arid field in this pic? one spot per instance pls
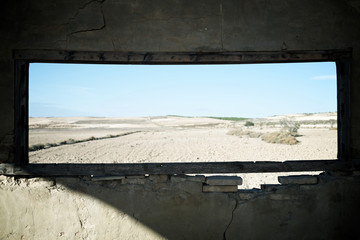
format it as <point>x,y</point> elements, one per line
<point>184,139</point>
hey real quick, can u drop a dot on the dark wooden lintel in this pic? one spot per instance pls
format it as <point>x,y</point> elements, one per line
<point>176,168</point>
<point>180,57</point>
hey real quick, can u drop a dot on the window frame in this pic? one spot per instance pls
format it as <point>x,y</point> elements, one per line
<point>23,58</point>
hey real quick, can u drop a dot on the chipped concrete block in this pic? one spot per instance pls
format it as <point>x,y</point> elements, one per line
<point>183,178</point>
<point>159,178</point>
<point>197,178</point>
<point>223,188</point>
<point>224,180</point>
<point>299,179</point>
<point>134,180</point>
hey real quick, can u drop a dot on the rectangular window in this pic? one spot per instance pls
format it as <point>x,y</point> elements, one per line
<point>92,113</point>
<point>199,97</point>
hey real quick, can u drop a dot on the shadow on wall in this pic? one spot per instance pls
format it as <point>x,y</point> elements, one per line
<point>157,207</point>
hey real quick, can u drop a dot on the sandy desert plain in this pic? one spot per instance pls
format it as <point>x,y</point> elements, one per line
<point>184,139</point>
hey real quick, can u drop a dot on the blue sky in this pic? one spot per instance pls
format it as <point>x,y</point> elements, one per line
<point>246,90</point>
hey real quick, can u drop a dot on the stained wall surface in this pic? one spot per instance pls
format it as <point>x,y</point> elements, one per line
<point>72,209</point>
<point>176,208</point>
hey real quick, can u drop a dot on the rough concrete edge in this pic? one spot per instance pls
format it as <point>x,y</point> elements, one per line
<point>298,179</point>
<point>224,180</point>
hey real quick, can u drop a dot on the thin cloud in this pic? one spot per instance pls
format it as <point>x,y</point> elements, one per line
<point>325,77</point>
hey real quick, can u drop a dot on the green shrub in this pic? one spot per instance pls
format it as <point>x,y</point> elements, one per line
<point>249,124</point>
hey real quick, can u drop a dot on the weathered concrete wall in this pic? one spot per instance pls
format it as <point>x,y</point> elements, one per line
<point>180,26</point>
<point>166,208</point>
<point>80,209</point>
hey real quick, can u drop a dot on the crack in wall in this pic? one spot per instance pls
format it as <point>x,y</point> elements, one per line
<point>92,29</point>
<point>83,7</point>
<point>103,26</point>
<point>232,214</point>
<point>238,202</point>
<point>105,23</point>
<point>141,19</point>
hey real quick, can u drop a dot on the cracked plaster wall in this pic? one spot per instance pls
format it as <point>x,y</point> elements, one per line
<point>77,209</point>
<point>73,208</point>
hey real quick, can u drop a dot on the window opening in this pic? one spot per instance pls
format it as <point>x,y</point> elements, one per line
<point>92,113</point>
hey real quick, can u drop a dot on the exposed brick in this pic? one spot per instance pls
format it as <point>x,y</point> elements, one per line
<point>224,180</point>
<point>212,188</point>
<point>299,179</point>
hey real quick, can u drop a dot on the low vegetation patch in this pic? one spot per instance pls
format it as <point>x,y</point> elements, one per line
<point>290,127</point>
<point>240,132</point>
<point>280,138</point>
<point>249,124</point>
<point>287,135</point>
<point>230,118</point>
<point>36,147</point>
